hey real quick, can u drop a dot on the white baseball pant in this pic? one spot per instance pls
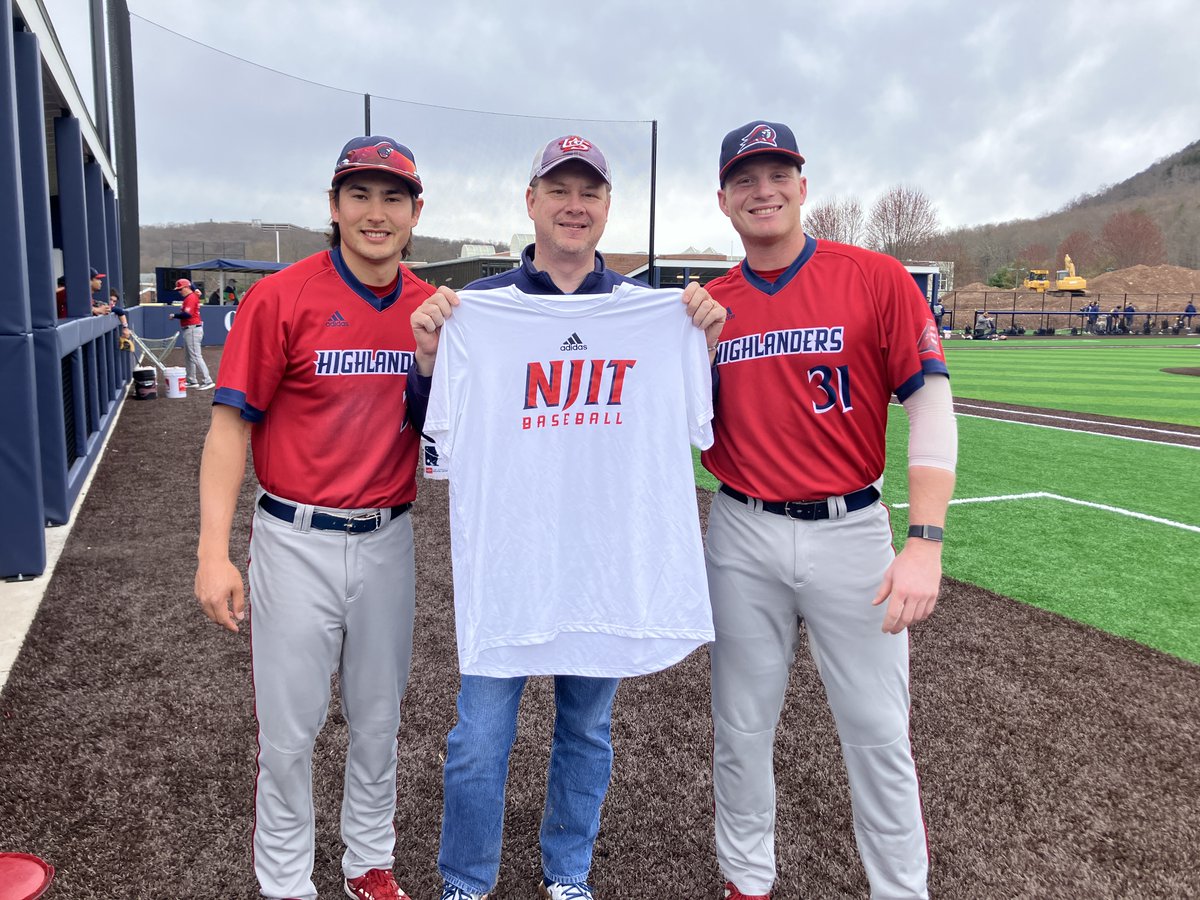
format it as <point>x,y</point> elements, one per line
<point>323,602</point>
<point>197,369</point>
<point>767,574</point>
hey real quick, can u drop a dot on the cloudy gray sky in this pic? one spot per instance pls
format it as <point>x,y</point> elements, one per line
<point>996,110</point>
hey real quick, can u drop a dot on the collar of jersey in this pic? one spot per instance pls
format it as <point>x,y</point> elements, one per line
<point>592,283</point>
<point>352,282</point>
<point>774,287</point>
<point>569,306</point>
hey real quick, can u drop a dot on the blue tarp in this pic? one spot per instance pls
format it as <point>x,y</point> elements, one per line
<point>234,265</point>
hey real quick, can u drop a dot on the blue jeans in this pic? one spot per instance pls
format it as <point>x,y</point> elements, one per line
<point>477,752</point>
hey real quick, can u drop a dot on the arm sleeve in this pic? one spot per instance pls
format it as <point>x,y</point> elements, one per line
<point>416,397</point>
<point>932,428</point>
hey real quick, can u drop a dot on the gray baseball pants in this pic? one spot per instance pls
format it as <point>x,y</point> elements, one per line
<point>325,602</point>
<point>767,574</point>
<point>197,368</point>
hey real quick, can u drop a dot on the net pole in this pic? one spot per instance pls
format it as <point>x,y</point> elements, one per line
<point>653,273</point>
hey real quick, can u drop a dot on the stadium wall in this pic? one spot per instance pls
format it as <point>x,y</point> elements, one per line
<point>61,379</point>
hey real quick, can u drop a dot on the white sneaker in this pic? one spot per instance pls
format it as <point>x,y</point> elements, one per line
<point>195,384</point>
<point>450,892</point>
<point>556,891</point>
<point>207,387</point>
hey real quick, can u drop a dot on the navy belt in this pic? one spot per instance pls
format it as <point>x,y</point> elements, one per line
<point>808,509</point>
<point>362,524</point>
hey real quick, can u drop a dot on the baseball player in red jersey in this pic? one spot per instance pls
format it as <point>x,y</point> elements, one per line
<point>313,377</point>
<point>192,327</point>
<point>817,338</point>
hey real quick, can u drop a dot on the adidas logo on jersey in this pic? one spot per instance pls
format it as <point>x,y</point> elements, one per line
<point>574,342</point>
<point>337,320</point>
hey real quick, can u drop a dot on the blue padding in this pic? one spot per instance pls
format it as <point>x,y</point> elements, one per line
<point>35,179</point>
<point>14,304</point>
<point>51,425</point>
<point>22,514</point>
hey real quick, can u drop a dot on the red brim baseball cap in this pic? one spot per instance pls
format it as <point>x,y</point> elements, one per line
<point>377,153</point>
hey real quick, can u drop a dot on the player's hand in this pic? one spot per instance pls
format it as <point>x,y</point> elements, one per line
<point>910,585</point>
<point>217,584</point>
<point>427,321</point>
<point>705,312</point>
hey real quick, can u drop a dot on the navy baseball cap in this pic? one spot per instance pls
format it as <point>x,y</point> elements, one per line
<point>570,146</point>
<point>754,138</point>
<point>95,273</point>
<point>376,153</point>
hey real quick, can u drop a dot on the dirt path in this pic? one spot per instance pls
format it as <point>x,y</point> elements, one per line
<point>1134,429</point>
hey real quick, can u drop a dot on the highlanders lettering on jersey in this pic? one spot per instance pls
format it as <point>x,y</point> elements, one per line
<point>362,362</point>
<point>546,389</point>
<point>781,343</point>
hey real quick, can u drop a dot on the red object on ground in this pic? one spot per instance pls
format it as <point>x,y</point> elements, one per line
<point>23,876</point>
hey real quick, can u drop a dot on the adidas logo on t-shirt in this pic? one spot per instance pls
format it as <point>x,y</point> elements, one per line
<point>337,320</point>
<point>573,343</point>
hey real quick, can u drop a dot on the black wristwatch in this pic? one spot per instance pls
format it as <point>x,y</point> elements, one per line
<point>928,532</point>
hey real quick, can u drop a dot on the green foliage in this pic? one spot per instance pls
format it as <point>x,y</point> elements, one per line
<point>1005,279</point>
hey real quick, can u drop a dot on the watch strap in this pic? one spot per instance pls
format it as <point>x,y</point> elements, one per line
<point>928,532</point>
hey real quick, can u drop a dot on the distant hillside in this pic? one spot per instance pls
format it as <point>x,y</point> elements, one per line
<point>204,240</point>
<point>1168,191</point>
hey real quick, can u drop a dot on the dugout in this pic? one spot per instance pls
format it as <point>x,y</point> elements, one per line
<point>60,215</point>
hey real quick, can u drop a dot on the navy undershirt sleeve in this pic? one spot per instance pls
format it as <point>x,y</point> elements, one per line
<point>416,397</point>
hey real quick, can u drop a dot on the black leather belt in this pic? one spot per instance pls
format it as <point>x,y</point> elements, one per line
<point>808,509</point>
<point>362,524</point>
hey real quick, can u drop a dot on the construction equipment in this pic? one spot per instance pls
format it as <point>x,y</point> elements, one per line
<point>1067,282</point>
<point>1037,280</point>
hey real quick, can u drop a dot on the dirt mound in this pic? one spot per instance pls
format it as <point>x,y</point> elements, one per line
<point>1148,280</point>
<point>975,286</point>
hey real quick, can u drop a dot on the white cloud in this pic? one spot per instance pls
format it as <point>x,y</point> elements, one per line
<point>998,111</point>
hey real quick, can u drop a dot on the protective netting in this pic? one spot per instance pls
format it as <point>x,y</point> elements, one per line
<point>247,143</point>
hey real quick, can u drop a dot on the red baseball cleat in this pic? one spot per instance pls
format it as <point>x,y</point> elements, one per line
<point>377,884</point>
<point>732,893</point>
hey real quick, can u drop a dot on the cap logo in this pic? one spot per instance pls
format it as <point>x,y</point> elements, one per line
<point>574,143</point>
<point>759,134</point>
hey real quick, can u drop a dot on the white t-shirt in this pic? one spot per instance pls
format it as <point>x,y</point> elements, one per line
<point>565,423</point>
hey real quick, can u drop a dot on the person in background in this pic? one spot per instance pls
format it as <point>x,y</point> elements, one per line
<point>192,327</point>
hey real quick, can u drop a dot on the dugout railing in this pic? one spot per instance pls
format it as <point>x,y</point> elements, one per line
<point>987,322</point>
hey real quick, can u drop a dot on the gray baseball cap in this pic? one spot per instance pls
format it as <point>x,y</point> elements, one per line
<point>570,146</point>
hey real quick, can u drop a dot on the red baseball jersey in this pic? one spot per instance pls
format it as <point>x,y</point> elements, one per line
<point>808,363</point>
<point>318,362</point>
<point>191,306</point>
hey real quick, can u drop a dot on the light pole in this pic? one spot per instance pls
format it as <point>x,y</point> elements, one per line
<point>275,227</point>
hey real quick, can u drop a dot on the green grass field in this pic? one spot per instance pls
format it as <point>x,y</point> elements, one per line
<point>1113,537</point>
<point>1114,377</point>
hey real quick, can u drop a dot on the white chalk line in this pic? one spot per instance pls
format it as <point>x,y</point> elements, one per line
<point>1044,495</point>
<point>1013,412</point>
<point>1119,437</point>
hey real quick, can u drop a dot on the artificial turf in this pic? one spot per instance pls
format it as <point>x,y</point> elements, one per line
<point>1106,377</point>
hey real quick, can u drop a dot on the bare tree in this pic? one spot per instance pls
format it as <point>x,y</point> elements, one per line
<point>835,220</point>
<point>902,222</point>
<point>1132,238</point>
<point>1081,247</point>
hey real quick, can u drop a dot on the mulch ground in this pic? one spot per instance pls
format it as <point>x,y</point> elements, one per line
<point>1056,761</point>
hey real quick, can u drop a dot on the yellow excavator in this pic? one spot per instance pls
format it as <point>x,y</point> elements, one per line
<point>1065,280</point>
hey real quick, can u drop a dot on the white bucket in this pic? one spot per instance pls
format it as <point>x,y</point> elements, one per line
<point>176,378</point>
